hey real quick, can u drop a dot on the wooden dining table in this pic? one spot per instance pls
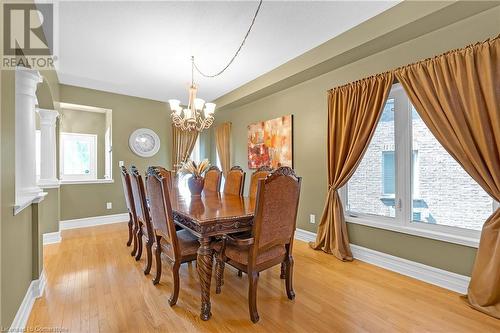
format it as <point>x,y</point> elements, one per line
<point>208,216</point>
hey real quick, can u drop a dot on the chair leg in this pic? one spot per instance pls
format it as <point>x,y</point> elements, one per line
<point>240,273</point>
<point>139,245</point>
<point>157,278</point>
<point>134,236</point>
<point>219,274</point>
<point>175,274</point>
<point>149,256</point>
<point>253,279</point>
<point>283,271</point>
<point>130,226</point>
<point>288,280</point>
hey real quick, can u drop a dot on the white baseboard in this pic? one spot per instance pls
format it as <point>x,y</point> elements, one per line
<point>51,237</point>
<point>35,290</point>
<point>93,221</point>
<point>305,235</point>
<point>429,274</point>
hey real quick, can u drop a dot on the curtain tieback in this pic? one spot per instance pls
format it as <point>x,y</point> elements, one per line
<point>331,187</point>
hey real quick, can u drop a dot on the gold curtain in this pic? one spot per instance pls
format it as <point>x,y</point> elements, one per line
<point>183,144</point>
<point>458,97</point>
<point>353,114</point>
<point>223,143</point>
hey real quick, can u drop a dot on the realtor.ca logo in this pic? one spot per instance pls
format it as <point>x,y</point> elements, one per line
<point>28,35</point>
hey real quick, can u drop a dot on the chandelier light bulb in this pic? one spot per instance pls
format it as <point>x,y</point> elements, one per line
<point>209,108</point>
<point>198,104</point>
<point>174,104</point>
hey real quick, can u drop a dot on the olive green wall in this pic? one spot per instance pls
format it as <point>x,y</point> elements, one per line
<point>129,114</point>
<point>307,102</point>
<point>16,231</point>
<point>21,235</point>
<point>84,122</point>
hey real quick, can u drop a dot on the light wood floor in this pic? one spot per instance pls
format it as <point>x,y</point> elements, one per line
<point>94,285</point>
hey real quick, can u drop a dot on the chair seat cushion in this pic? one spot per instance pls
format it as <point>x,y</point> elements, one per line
<point>187,242</point>
<point>240,253</point>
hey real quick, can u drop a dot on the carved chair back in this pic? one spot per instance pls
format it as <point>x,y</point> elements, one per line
<point>127,190</point>
<point>260,173</point>
<point>158,180</point>
<point>213,178</point>
<point>140,201</point>
<point>170,176</point>
<point>235,181</point>
<point>275,211</point>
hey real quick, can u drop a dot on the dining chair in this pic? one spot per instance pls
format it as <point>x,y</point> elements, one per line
<point>144,219</point>
<point>133,225</point>
<point>213,178</point>
<point>260,173</point>
<point>271,240</point>
<point>178,246</point>
<point>235,181</point>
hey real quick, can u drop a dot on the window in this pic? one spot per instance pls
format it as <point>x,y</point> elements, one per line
<point>108,151</point>
<point>448,195</point>
<point>408,182</point>
<point>195,154</point>
<point>389,173</point>
<point>372,188</point>
<point>78,156</point>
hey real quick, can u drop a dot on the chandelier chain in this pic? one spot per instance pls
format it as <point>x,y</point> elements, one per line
<point>235,54</point>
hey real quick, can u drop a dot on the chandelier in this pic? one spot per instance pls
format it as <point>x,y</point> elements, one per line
<point>199,115</point>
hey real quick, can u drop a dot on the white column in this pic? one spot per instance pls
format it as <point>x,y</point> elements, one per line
<point>48,175</point>
<point>25,172</point>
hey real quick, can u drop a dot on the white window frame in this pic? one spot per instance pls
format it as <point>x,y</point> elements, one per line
<point>196,153</point>
<point>92,176</point>
<point>402,222</point>
<point>108,155</point>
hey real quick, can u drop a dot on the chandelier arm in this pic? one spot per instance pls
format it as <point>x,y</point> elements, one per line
<point>235,54</point>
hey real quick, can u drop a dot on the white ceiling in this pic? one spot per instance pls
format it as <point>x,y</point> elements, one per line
<point>143,48</point>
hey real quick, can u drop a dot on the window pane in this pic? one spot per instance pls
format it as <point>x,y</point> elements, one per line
<point>195,154</point>
<point>78,154</point>
<point>443,192</point>
<point>389,173</point>
<point>371,190</point>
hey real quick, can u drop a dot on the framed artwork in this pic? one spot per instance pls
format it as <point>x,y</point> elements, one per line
<point>270,143</point>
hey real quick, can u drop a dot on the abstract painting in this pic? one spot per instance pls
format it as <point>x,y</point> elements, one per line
<point>270,143</point>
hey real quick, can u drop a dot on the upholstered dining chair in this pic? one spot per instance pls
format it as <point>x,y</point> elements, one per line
<point>145,230</point>
<point>260,173</point>
<point>235,181</point>
<point>178,246</point>
<point>133,225</point>
<point>213,178</point>
<point>271,240</point>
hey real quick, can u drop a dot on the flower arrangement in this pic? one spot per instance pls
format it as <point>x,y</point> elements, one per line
<point>191,168</point>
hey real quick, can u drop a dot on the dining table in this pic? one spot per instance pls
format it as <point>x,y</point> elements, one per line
<point>209,216</point>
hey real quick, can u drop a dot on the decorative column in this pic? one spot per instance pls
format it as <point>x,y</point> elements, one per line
<point>48,174</point>
<point>25,173</point>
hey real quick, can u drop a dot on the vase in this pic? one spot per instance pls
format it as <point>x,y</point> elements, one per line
<point>195,185</point>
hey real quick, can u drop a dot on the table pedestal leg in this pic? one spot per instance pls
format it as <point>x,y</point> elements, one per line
<point>204,266</point>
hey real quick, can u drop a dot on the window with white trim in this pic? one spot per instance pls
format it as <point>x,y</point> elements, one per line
<point>195,154</point>
<point>408,182</point>
<point>78,156</point>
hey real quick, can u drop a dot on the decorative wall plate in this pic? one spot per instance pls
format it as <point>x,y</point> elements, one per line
<point>144,142</point>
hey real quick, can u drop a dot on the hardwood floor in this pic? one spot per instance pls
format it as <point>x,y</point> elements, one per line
<point>94,285</point>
